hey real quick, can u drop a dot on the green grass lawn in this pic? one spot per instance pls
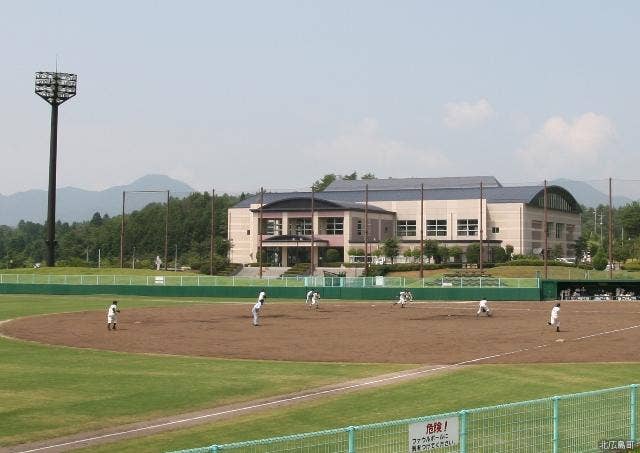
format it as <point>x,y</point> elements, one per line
<point>48,391</point>
<point>476,386</point>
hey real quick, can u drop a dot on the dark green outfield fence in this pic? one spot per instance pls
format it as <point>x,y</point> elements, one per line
<point>548,290</point>
<point>274,292</point>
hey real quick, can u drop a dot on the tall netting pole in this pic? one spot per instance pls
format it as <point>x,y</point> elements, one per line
<point>312,265</point>
<point>166,234</point>
<point>122,232</point>
<point>260,233</point>
<point>422,231</point>
<point>610,233</point>
<point>212,250</point>
<point>366,229</point>
<point>481,229</point>
<point>546,230</point>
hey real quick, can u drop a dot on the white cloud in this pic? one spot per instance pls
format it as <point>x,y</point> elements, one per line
<point>563,148</point>
<point>461,115</point>
<point>364,149</point>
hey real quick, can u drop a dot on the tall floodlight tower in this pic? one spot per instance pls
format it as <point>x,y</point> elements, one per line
<point>55,88</point>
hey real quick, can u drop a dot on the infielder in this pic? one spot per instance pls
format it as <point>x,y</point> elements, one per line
<point>256,308</point>
<point>402,299</point>
<point>555,317</point>
<point>112,315</point>
<point>483,308</point>
<point>315,299</point>
<point>309,297</point>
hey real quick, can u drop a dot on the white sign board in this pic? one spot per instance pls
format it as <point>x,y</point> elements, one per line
<point>433,434</point>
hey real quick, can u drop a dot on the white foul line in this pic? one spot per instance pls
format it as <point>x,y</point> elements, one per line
<point>314,394</point>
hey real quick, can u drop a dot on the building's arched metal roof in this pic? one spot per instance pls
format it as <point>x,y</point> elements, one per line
<point>558,198</point>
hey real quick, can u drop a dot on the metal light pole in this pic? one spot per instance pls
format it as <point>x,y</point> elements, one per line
<point>55,88</point>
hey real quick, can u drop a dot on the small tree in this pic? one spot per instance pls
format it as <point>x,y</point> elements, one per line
<point>430,248</point>
<point>416,254</point>
<point>473,253</point>
<point>509,251</point>
<point>333,256</point>
<point>391,248</point>
<point>443,254</point>
<point>556,251</point>
<point>352,251</point>
<point>498,254</point>
<point>408,253</point>
<point>456,253</point>
<point>599,261</point>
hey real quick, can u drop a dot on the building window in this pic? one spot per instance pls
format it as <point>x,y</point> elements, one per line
<point>559,230</point>
<point>248,232</point>
<point>570,232</point>
<point>272,227</point>
<point>359,227</point>
<point>406,227</point>
<point>536,225</point>
<point>437,227</point>
<point>549,229</point>
<point>495,230</point>
<point>300,226</point>
<point>334,225</point>
<point>467,227</point>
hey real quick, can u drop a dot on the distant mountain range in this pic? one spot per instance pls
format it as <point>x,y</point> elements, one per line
<point>73,205</point>
<point>588,195</point>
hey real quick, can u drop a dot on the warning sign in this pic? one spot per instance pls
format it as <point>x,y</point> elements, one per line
<point>438,433</point>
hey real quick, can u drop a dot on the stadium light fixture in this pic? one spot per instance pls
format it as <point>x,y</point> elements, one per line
<point>55,88</point>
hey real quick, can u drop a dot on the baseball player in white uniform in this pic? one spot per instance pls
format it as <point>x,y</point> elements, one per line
<point>402,300</point>
<point>555,317</point>
<point>315,300</point>
<point>256,308</point>
<point>112,315</point>
<point>483,308</point>
<point>309,297</point>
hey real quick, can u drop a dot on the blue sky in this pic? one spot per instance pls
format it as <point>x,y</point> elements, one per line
<point>238,95</point>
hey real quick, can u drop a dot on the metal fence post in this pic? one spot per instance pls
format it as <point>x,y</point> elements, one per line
<point>352,439</point>
<point>634,413</point>
<point>556,424</point>
<point>463,431</point>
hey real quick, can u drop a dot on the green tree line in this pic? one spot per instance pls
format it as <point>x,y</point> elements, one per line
<point>78,243</point>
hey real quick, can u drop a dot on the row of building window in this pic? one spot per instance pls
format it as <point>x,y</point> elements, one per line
<point>405,228</point>
<point>558,230</point>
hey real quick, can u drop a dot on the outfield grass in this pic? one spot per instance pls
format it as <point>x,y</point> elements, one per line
<point>49,391</point>
<point>475,386</point>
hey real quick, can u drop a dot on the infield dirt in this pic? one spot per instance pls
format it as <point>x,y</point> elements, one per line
<point>421,333</point>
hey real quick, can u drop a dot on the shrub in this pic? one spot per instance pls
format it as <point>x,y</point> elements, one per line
<point>599,261</point>
<point>332,256</point>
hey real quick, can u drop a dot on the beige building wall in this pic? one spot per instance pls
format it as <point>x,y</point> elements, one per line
<point>515,223</point>
<point>534,237</point>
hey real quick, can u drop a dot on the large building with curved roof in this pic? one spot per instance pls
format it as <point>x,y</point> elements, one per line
<point>452,211</point>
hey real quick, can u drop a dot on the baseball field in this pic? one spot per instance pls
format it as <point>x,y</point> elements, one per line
<point>185,373</point>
